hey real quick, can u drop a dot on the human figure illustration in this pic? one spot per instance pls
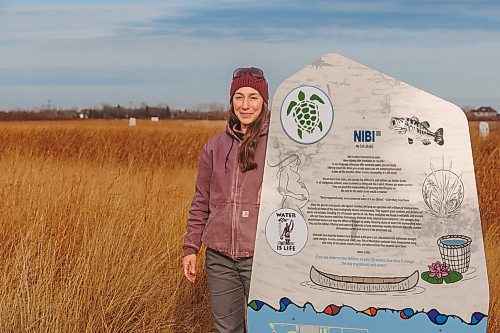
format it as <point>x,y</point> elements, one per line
<point>287,231</point>
<point>292,189</point>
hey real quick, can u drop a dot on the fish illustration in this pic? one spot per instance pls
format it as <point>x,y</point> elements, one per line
<point>416,130</point>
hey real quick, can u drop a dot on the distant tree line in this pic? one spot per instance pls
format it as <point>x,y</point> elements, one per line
<point>209,111</point>
<point>38,115</point>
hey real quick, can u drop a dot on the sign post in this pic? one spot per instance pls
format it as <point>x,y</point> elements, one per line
<point>369,219</point>
<point>484,129</point>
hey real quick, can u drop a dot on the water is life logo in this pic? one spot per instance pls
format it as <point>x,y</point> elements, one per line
<point>286,232</point>
<point>306,114</point>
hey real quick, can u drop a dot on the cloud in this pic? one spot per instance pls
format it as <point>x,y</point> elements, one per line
<point>277,20</point>
<point>75,76</point>
<point>63,21</point>
<point>182,52</point>
<point>269,21</point>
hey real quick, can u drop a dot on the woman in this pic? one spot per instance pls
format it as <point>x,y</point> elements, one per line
<point>225,207</point>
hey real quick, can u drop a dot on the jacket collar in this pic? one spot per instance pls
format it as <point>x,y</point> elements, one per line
<point>264,130</point>
<point>236,135</point>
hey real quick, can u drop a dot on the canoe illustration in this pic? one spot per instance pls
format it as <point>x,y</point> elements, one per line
<point>363,283</point>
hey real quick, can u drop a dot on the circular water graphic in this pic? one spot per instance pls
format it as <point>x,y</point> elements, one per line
<point>286,232</point>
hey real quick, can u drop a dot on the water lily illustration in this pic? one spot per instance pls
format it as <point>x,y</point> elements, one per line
<point>439,272</point>
<point>438,269</point>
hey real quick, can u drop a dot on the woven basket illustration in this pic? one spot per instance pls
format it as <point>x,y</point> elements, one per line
<point>455,251</point>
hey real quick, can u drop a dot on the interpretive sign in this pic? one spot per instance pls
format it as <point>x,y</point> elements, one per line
<point>369,219</point>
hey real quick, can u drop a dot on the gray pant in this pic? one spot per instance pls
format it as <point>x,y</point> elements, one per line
<point>228,284</point>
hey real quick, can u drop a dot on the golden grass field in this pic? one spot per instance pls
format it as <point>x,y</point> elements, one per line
<point>92,218</point>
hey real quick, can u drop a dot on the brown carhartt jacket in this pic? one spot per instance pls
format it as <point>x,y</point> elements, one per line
<point>225,207</point>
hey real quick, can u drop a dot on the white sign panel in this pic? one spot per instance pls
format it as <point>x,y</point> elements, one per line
<point>369,219</point>
<point>484,128</point>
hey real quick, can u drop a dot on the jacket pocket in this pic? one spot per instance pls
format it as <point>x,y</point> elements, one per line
<point>249,214</point>
<point>216,229</point>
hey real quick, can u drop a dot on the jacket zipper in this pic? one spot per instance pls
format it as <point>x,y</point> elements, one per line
<point>234,197</point>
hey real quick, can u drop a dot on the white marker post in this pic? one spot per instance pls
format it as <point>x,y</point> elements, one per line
<point>484,128</point>
<point>369,218</point>
<point>132,122</point>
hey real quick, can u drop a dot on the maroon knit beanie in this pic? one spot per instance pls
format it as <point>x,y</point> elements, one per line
<point>249,80</point>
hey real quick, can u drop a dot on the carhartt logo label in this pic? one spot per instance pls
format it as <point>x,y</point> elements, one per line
<point>306,114</point>
<point>245,213</point>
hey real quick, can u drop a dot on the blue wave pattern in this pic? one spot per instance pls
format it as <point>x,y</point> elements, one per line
<point>291,318</point>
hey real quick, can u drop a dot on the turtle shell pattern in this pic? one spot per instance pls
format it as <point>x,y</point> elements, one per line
<point>305,113</point>
<point>306,116</point>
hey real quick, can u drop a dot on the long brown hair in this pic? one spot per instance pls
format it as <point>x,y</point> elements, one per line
<point>246,153</point>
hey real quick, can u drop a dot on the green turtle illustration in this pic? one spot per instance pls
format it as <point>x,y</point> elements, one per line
<point>306,113</point>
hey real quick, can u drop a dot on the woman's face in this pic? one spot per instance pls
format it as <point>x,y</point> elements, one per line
<point>247,104</point>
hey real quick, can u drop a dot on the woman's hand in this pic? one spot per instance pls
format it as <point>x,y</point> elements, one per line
<point>189,267</point>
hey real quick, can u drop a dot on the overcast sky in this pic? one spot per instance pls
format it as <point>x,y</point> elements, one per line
<point>182,52</point>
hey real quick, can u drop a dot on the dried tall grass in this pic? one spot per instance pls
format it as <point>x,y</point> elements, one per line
<point>92,220</point>
<point>92,216</point>
<point>148,146</point>
<point>486,153</point>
